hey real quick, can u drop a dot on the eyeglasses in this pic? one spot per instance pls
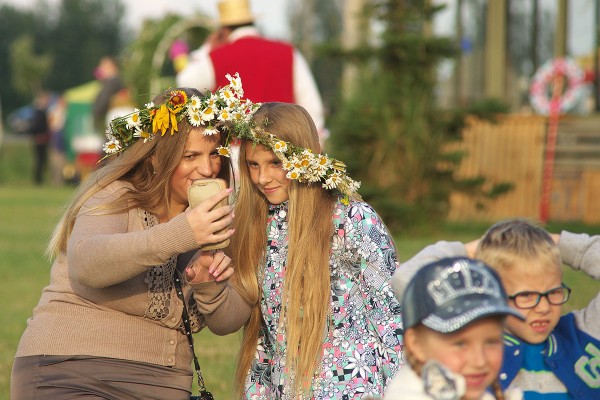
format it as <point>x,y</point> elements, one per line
<point>557,296</point>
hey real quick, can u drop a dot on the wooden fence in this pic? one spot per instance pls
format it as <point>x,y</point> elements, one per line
<point>576,183</point>
<point>512,150</point>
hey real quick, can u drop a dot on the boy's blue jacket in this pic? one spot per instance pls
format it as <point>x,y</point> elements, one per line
<point>573,356</point>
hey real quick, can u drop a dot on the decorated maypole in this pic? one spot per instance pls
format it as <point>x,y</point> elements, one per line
<point>555,89</point>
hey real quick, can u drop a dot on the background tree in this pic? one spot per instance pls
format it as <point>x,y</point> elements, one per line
<point>316,26</point>
<point>389,129</point>
<point>81,33</point>
<point>29,70</point>
<point>76,33</point>
<point>14,23</point>
<point>147,67</point>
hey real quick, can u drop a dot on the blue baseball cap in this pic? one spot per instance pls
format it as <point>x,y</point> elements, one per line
<point>448,294</point>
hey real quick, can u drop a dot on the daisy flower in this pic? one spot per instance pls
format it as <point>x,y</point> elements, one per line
<point>224,151</point>
<point>194,117</point>
<point>211,130</point>
<point>112,146</point>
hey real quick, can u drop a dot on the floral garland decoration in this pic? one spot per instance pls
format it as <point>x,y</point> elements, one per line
<point>301,164</point>
<point>540,92</point>
<point>225,105</point>
<point>226,108</point>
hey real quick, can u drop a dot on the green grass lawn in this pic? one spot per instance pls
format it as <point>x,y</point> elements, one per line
<point>28,215</point>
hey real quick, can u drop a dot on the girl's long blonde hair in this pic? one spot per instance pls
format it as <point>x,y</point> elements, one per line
<point>306,294</point>
<point>146,166</point>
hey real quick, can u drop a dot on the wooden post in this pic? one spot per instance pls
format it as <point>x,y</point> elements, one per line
<point>557,89</point>
<point>495,50</point>
<point>596,55</point>
<point>560,41</point>
<point>354,33</point>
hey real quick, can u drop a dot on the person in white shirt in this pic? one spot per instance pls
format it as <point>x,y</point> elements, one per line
<point>271,70</point>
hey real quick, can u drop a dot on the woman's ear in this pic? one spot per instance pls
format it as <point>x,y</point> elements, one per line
<point>414,344</point>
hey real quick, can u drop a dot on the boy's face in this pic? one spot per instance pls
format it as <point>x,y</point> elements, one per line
<point>540,320</point>
<point>475,352</point>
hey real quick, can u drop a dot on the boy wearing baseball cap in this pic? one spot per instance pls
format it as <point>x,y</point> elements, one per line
<point>548,355</point>
<point>453,314</point>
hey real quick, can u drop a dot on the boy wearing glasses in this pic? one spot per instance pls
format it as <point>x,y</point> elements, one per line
<point>547,355</point>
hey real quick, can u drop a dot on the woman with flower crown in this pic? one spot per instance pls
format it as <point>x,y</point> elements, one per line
<point>314,261</point>
<point>109,324</point>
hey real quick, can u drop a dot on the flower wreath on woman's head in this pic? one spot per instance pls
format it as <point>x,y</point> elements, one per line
<point>211,110</point>
<point>226,108</point>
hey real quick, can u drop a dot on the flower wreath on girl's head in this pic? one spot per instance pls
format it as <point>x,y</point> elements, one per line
<point>226,108</point>
<point>301,164</point>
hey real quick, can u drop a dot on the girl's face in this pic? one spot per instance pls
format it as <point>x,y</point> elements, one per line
<point>200,160</point>
<point>540,320</point>
<point>475,352</point>
<point>267,173</point>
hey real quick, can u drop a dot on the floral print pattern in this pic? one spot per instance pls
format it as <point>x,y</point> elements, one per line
<point>362,348</point>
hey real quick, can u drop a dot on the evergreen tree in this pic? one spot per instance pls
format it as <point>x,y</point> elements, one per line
<point>389,130</point>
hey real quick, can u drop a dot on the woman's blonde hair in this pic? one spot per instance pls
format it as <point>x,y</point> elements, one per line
<point>146,166</point>
<point>306,293</point>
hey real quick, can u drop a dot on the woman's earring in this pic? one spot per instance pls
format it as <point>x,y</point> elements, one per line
<point>154,172</point>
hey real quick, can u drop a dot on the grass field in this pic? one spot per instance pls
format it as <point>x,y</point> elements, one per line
<point>28,215</point>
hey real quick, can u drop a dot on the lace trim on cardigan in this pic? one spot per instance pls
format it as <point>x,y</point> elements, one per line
<point>161,288</point>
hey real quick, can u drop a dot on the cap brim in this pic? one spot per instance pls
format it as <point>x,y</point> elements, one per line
<point>461,315</point>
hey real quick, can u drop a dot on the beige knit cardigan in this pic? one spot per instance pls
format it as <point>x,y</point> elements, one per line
<point>112,294</point>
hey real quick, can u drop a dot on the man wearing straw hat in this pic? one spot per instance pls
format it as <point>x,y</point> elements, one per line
<point>270,70</point>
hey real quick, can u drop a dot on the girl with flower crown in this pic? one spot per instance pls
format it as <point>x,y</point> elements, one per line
<point>109,324</point>
<point>314,261</point>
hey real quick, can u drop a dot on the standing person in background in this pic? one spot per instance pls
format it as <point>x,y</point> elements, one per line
<point>110,323</point>
<point>56,121</point>
<point>272,70</point>
<point>40,136</point>
<point>108,73</point>
<point>314,261</point>
<point>113,100</point>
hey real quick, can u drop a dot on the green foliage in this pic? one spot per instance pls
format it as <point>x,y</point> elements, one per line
<point>144,78</point>
<point>16,162</point>
<point>28,69</point>
<point>137,67</point>
<point>14,23</point>
<point>75,34</point>
<point>389,130</point>
<point>84,31</point>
